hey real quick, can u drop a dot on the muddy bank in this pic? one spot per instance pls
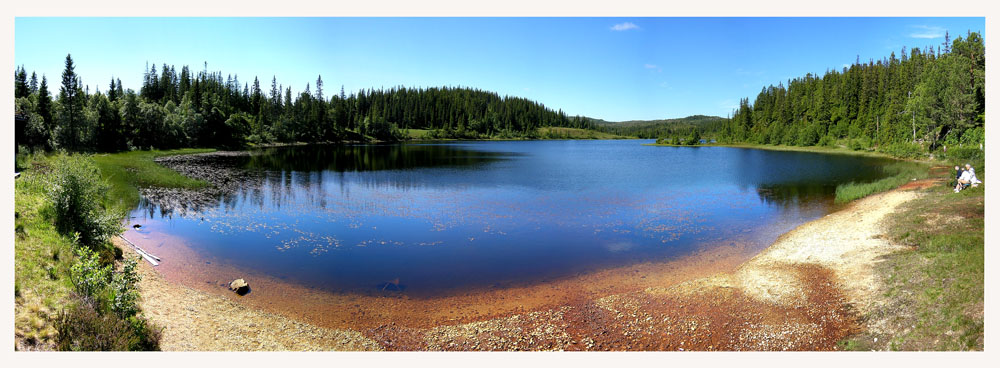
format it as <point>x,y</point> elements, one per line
<point>804,292</point>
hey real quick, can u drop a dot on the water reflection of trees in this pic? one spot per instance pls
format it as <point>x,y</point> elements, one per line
<point>794,179</point>
<point>340,158</point>
<point>795,196</point>
<point>301,174</point>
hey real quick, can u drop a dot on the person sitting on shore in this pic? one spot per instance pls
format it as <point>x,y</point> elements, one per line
<point>967,178</point>
<point>972,175</point>
<point>958,172</point>
<point>963,181</point>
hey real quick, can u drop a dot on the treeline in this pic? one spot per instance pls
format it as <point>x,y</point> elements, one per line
<point>664,128</point>
<point>205,109</point>
<point>917,103</point>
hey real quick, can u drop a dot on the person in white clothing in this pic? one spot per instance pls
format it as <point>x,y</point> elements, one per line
<point>967,178</point>
<point>963,180</point>
<point>972,175</point>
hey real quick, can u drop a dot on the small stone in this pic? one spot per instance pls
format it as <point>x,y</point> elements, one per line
<point>239,286</point>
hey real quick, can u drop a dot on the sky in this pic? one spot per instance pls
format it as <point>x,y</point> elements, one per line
<point>615,69</point>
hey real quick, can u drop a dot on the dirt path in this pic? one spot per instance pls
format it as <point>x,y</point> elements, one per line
<point>802,293</point>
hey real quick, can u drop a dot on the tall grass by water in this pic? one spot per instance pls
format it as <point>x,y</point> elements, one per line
<point>899,173</point>
<point>126,172</point>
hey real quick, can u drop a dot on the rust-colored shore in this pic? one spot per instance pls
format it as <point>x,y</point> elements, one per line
<point>804,292</point>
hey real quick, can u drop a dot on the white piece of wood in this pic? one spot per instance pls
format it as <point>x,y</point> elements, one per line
<point>149,257</point>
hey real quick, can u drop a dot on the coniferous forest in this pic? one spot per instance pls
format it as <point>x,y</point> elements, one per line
<point>908,105</point>
<point>920,101</point>
<point>205,109</point>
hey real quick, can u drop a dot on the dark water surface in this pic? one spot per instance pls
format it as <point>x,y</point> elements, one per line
<point>443,217</point>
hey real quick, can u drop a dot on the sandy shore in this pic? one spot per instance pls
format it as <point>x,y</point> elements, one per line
<point>804,292</point>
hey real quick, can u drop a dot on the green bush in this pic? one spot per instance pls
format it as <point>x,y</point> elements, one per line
<point>965,154</point>
<point>904,150</point>
<point>827,141</point>
<point>107,314</point>
<point>808,135</point>
<point>858,144</point>
<point>76,192</point>
<point>82,327</point>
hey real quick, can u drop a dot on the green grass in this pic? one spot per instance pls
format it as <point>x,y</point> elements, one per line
<point>934,292</point>
<point>900,173</point>
<point>129,171</point>
<point>416,133</point>
<point>42,258</point>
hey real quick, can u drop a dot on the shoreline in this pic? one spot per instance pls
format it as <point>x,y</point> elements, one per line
<point>790,296</point>
<point>783,148</point>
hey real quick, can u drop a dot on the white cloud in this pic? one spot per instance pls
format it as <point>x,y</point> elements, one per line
<point>650,66</point>
<point>928,32</point>
<point>624,26</point>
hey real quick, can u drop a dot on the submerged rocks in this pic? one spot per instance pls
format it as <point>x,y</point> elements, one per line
<point>223,171</point>
<point>239,286</point>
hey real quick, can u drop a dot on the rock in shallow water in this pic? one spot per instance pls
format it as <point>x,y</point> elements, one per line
<point>239,286</point>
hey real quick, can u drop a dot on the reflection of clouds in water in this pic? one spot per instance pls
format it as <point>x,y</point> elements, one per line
<point>619,246</point>
<point>354,220</point>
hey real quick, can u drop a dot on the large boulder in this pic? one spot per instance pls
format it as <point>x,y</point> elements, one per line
<point>239,286</point>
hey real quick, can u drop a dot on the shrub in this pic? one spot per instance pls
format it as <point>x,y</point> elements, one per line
<point>107,314</point>
<point>808,135</point>
<point>827,141</point>
<point>904,150</point>
<point>89,276</point>
<point>76,191</point>
<point>965,154</point>
<point>858,144</point>
<point>82,327</point>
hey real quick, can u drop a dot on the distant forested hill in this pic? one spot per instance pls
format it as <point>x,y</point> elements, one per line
<point>659,128</point>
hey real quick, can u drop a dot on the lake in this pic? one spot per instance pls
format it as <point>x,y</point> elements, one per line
<point>432,219</point>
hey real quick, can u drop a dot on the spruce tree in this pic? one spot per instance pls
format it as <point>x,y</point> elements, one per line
<point>319,88</point>
<point>21,83</point>
<point>72,108</point>
<point>33,85</point>
<point>43,106</point>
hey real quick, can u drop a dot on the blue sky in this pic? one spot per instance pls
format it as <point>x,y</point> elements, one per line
<point>610,68</point>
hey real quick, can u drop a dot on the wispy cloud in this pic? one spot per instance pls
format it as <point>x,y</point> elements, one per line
<point>730,104</point>
<point>624,26</point>
<point>652,67</point>
<point>927,32</point>
<point>741,71</point>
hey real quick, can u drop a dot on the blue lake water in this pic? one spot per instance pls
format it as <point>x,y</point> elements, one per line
<point>451,216</point>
